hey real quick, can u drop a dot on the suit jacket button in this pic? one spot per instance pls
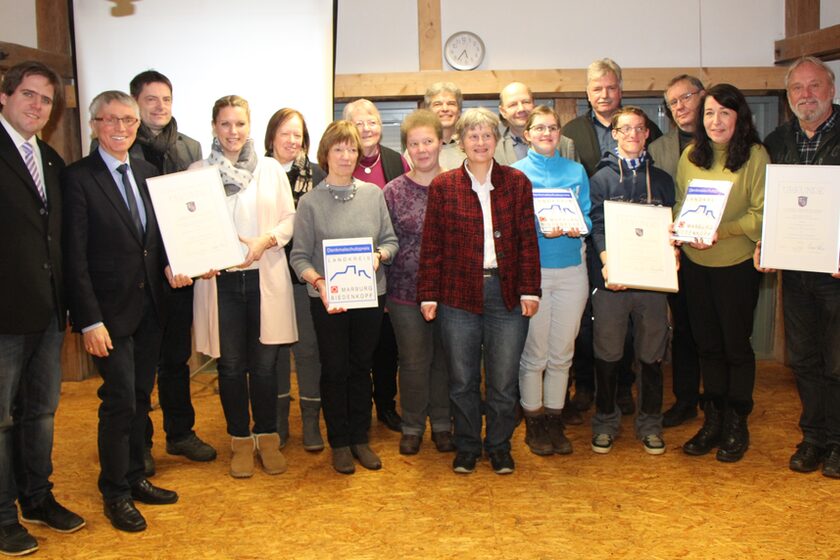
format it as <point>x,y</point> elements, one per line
<point>46,266</point>
<point>497,234</point>
<point>145,253</point>
<point>142,285</point>
<point>42,211</point>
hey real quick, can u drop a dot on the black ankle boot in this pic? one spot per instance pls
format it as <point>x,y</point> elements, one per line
<point>709,435</point>
<point>735,439</point>
<point>536,435</point>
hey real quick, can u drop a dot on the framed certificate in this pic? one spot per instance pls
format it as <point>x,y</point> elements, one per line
<point>801,228</point>
<point>558,209</point>
<point>639,251</point>
<point>195,224</point>
<point>348,271</point>
<point>702,210</point>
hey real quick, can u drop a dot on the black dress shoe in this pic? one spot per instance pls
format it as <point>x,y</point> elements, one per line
<point>391,419</point>
<point>147,493</point>
<point>15,540</point>
<point>191,447</point>
<point>52,514</point>
<point>124,516</point>
<point>831,464</point>
<point>677,414</point>
<point>807,458</point>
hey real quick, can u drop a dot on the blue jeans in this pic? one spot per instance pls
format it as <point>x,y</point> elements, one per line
<point>246,365</point>
<point>424,381</point>
<point>501,333</point>
<point>30,383</point>
<point>812,331</point>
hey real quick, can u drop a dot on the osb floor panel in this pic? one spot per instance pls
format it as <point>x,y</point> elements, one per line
<point>623,505</point>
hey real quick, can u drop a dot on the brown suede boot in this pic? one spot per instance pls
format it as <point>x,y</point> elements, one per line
<point>242,457</point>
<point>268,448</point>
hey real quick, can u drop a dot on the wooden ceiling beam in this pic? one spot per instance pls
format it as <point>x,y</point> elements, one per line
<point>553,82</point>
<point>823,44</point>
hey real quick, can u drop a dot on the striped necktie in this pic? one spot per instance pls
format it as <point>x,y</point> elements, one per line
<point>32,166</point>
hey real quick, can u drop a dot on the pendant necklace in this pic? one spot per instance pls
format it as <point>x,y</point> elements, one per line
<point>368,168</point>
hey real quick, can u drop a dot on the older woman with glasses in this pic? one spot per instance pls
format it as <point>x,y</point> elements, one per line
<point>379,165</point>
<point>343,207</point>
<point>480,276</point>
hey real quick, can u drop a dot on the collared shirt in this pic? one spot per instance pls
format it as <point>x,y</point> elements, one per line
<point>483,192</point>
<point>808,146</point>
<point>520,146</point>
<point>112,163</point>
<point>606,142</point>
<point>19,141</point>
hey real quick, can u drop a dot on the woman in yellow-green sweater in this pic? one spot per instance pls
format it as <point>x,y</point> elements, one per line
<point>720,281</point>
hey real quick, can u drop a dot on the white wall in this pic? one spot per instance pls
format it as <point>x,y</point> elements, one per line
<point>274,53</point>
<point>17,22</point>
<point>381,35</point>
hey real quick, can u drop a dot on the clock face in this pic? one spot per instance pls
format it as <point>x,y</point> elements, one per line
<point>464,50</point>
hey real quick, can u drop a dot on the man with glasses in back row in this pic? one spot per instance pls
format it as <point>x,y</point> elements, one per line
<point>683,97</point>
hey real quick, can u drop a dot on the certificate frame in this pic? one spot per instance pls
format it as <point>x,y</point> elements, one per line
<point>639,250</point>
<point>702,210</point>
<point>558,207</point>
<point>196,226</point>
<point>801,226</point>
<point>349,274</point>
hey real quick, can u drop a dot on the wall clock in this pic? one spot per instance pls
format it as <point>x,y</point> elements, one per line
<point>464,50</point>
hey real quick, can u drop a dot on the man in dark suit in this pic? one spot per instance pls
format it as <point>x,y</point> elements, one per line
<point>32,309</point>
<point>115,278</point>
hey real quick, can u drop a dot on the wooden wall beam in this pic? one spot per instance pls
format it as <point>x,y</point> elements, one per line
<point>12,53</point>
<point>823,44</point>
<point>429,34</point>
<point>638,82</point>
<point>801,16</point>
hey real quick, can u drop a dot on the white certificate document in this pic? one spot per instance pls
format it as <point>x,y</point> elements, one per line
<point>639,252</point>
<point>558,209</point>
<point>348,270</point>
<point>801,228</point>
<point>197,229</point>
<point>702,210</point>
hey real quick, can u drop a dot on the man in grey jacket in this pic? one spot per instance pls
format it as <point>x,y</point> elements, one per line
<point>683,97</point>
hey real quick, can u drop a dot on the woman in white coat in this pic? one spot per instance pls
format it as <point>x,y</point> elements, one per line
<point>243,314</point>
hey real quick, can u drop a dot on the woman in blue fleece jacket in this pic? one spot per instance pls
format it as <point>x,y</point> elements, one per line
<point>550,345</point>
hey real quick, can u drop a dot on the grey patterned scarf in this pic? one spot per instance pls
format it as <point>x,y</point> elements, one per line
<point>234,176</point>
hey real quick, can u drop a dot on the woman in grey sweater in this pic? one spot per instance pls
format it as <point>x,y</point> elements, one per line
<point>343,207</point>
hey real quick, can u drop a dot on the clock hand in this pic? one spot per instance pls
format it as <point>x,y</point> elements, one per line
<point>462,55</point>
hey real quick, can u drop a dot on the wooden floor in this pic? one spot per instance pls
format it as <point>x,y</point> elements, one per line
<point>623,505</point>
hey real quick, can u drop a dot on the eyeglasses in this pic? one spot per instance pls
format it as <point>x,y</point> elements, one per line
<point>627,129</point>
<point>684,98</point>
<point>541,128</point>
<point>112,121</point>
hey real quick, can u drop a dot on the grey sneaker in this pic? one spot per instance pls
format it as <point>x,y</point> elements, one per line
<point>654,444</point>
<point>602,443</point>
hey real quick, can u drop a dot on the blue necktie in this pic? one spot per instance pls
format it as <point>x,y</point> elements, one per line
<point>129,196</point>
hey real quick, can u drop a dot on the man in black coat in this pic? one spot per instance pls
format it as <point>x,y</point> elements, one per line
<point>32,308</point>
<point>115,264</point>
